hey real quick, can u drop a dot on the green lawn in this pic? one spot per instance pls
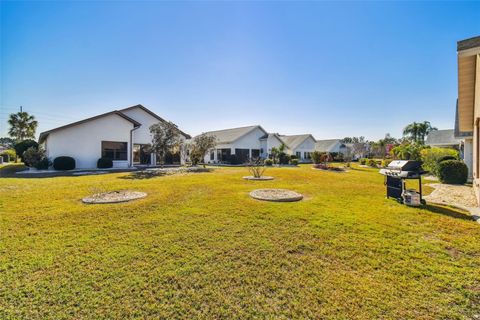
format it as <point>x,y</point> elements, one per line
<point>199,247</point>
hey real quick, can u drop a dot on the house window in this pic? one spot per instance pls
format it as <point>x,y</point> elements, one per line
<point>298,154</point>
<point>307,155</point>
<point>115,150</point>
<point>212,155</point>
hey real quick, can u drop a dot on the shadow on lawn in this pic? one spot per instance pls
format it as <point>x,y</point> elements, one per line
<point>149,174</point>
<point>451,212</point>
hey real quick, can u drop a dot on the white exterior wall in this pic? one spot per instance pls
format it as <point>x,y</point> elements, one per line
<point>306,146</point>
<point>468,157</point>
<point>249,141</point>
<point>268,144</point>
<point>142,134</point>
<point>83,142</point>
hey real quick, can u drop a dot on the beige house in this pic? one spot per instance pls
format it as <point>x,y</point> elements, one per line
<point>467,124</point>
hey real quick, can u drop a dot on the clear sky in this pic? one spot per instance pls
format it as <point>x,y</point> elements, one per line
<point>330,69</point>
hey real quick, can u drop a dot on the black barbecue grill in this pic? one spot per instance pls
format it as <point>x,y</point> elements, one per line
<point>397,172</point>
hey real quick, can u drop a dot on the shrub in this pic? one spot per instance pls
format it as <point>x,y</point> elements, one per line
<point>268,162</point>
<point>64,163</point>
<point>8,155</point>
<point>363,161</point>
<point>431,158</point>
<point>32,156</point>
<point>452,172</point>
<point>283,158</point>
<point>408,151</point>
<point>43,164</point>
<point>104,163</point>
<point>385,162</point>
<point>294,162</point>
<point>293,156</point>
<point>23,146</point>
<point>316,157</point>
<point>371,163</point>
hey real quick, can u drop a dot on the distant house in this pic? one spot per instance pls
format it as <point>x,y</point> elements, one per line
<point>120,135</point>
<point>238,145</point>
<point>443,139</point>
<point>331,145</point>
<point>300,145</point>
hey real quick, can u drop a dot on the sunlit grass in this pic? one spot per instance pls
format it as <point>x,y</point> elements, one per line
<point>199,247</point>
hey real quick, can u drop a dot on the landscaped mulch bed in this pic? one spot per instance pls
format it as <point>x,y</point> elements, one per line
<point>114,197</point>
<point>277,195</point>
<point>456,195</point>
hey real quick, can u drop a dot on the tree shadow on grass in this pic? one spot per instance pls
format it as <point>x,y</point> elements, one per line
<point>149,174</point>
<point>449,211</point>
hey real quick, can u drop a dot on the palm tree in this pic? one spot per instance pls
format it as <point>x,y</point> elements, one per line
<point>424,129</point>
<point>411,131</point>
<point>22,126</point>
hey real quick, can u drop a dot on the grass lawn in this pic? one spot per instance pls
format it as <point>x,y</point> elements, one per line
<point>199,247</point>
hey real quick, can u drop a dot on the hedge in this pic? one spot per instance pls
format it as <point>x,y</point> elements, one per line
<point>104,163</point>
<point>452,172</point>
<point>64,163</point>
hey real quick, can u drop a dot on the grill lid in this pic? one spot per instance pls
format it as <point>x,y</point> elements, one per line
<point>405,165</point>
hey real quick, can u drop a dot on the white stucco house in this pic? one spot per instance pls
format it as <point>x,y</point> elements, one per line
<point>120,135</point>
<point>300,145</point>
<point>237,145</point>
<point>330,145</point>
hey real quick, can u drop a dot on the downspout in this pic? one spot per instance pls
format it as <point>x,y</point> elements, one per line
<point>130,162</point>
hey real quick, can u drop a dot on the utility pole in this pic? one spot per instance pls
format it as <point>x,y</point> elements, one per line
<point>21,109</point>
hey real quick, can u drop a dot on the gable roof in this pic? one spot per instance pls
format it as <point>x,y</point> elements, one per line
<point>442,138</point>
<point>230,135</point>
<point>294,141</point>
<point>326,145</point>
<point>276,135</point>
<point>45,134</point>
<point>139,106</point>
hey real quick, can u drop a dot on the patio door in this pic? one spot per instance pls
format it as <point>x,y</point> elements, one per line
<point>141,154</point>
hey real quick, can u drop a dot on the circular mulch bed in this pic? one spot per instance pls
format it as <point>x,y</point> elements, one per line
<point>278,195</point>
<point>114,197</point>
<point>262,178</point>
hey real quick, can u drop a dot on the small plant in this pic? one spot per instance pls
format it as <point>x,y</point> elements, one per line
<point>256,167</point>
<point>268,162</point>
<point>363,161</point>
<point>385,163</point>
<point>371,163</point>
<point>104,163</point>
<point>452,172</point>
<point>64,163</point>
<point>316,157</point>
<point>294,162</point>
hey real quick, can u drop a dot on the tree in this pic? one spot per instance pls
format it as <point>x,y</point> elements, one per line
<point>274,152</point>
<point>359,145</point>
<point>23,146</point>
<point>7,142</point>
<point>200,146</point>
<point>165,139</point>
<point>22,126</point>
<point>417,131</point>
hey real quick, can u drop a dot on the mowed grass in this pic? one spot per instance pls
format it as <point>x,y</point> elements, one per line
<point>199,247</point>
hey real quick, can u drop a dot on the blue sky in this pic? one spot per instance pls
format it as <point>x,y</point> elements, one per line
<point>330,69</point>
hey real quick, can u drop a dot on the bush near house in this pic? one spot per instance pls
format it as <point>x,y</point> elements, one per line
<point>385,162</point>
<point>363,161</point>
<point>268,162</point>
<point>36,158</point>
<point>104,163</point>
<point>294,162</point>
<point>371,163</point>
<point>432,157</point>
<point>452,172</point>
<point>64,163</point>
<point>23,146</point>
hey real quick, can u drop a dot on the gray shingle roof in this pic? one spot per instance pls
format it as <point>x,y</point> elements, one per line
<point>230,135</point>
<point>295,140</point>
<point>468,43</point>
<point>442,138</point>
<point>326,145</point>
